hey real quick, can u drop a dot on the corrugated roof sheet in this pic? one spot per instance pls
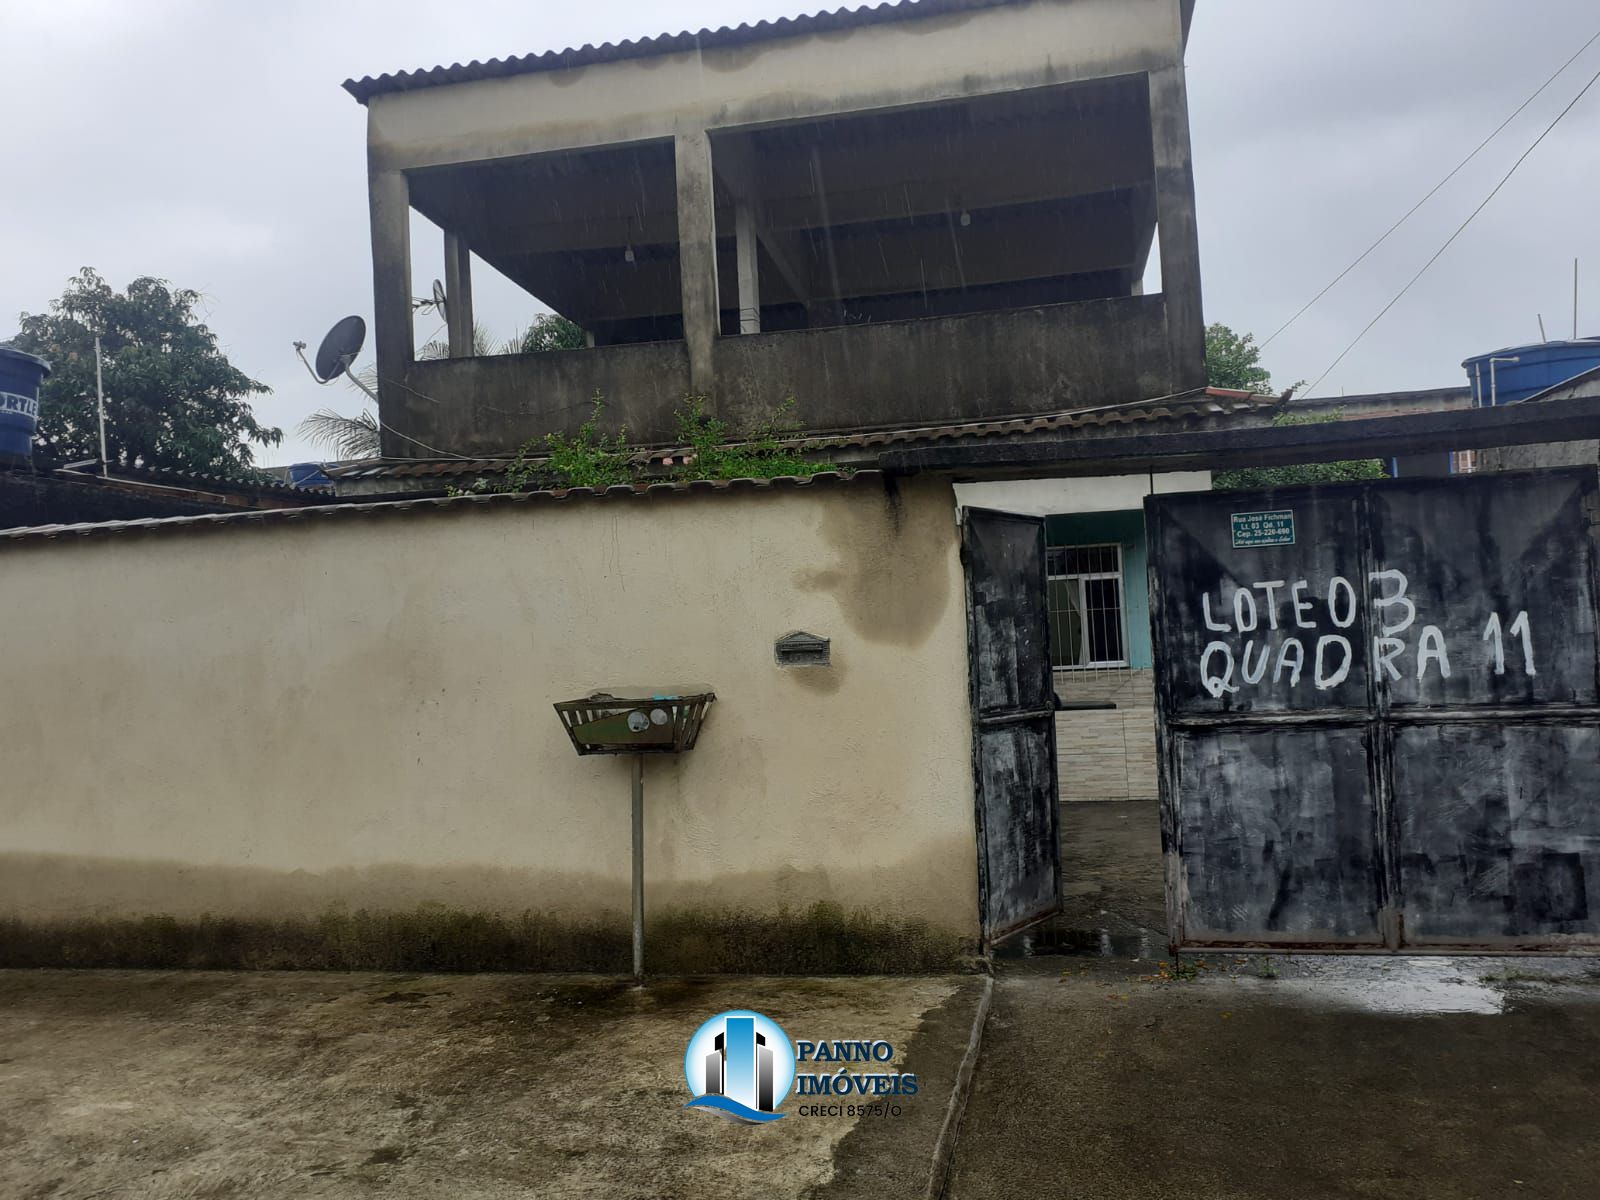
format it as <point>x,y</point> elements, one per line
<point>169,477</point>
<point>345,512</point>
<point>1187,406</point>
<point>582,56</point>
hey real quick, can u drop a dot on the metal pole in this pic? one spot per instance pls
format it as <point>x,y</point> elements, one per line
<point>100,399</point>
<point>638,868</point>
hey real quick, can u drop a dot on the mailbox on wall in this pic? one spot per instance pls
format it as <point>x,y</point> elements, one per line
<point>636,721</point>
<point>641,720</point>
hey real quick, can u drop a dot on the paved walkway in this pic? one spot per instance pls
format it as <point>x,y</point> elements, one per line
<point>1111,870</point>
<point>1371,1078</point>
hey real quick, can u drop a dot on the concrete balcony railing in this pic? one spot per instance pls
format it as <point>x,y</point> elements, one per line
<point>965,368</point>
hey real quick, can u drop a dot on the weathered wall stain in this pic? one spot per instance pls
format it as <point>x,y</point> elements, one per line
<point>39,887</point>
<point>820,938</point>
<point>895,569</point>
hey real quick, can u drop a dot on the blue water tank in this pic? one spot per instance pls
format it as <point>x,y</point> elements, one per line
<point>20,377</point>
<point>308,475</point>
<point>1506,376</point>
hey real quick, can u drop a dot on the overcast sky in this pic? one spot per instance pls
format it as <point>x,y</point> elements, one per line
<point>210,144</point>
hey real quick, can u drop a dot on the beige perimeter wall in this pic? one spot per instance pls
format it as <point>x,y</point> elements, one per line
<point>289,722</point>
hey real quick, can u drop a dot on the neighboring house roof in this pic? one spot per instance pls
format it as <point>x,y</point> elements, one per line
<point>587,55</point>
<point>1365,403</point>
<point>265,489</point>
<point>1202,404</point>
<point>32,497</point>
<point>336,512</point>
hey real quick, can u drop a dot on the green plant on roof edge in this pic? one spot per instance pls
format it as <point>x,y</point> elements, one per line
<point>710,450</point>
<point>713,452</point>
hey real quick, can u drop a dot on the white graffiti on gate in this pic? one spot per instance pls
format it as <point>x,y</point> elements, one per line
<point>1310,633</point>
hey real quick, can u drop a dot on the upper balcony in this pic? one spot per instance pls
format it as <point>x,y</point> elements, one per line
<point>917,213</point>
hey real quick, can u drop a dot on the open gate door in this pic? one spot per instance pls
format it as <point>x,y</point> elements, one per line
<point>1013,720</point>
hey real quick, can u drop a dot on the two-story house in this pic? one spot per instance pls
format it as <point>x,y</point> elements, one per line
<point>907,215</point>
<point>909,218</point>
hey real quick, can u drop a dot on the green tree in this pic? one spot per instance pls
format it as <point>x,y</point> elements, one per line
<point>1291,476</point>
<point>1234,361</point>
<point>172,397</point>
<point>551,331</point>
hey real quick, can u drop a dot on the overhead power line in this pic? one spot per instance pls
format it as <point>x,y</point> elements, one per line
<point>1583,91</point>
<point>1454,171</point>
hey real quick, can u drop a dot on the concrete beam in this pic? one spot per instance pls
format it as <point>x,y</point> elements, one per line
<point>1080,453</point>
<point>736,168</point>
<point>697,256</point>
<point>1175,216</point>
<point>458,295</point>
<point>999,49</point>
<point>393,339</point>
<point>746,254</point>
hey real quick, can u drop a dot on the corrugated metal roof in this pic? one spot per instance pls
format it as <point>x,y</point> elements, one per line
<point>339,512</point>
<point>170,477</point>
<point>1186,406</point>
<point>582,56</point>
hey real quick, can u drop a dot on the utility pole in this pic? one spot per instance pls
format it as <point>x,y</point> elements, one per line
<point>100,397</point>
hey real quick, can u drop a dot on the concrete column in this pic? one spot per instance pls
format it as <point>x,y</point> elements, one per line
<point>389,202</point>
<point>697,256</point>
<point>749,272</point>
<point>1180,242</point>
<point>458,295</point>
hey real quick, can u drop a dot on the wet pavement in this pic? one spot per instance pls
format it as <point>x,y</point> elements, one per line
<point>1112,1069</point>
<point>1111,870</point>
<point>1234,1076</point>
<point>1108,1069</point>
<point>209,1084</point>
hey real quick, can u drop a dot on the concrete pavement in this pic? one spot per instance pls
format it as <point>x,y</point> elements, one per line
<point>1269,1079</point>
<point>271,1084</point>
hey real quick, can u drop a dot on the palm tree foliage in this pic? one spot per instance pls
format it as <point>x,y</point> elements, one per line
<point>360,436</point>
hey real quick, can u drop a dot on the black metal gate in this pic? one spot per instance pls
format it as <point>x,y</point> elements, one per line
<point>1013,720</point>
<point>1379,713</point>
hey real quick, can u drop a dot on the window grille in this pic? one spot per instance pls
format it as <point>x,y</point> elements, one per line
<point>1087,625</point>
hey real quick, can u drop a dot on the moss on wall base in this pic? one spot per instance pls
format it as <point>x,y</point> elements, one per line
<point>823,939</point>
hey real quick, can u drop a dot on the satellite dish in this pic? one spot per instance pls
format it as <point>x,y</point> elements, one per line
<point>339,348</point>
<point>438,297</point>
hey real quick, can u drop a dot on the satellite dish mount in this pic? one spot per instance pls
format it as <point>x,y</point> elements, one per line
<point>338,350</point>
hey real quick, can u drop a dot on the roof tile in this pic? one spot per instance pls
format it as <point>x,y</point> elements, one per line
<point>667,43</point>
<point>275,516</point>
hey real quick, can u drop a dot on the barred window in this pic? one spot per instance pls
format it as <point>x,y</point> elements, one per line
<point>1086,622</point>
